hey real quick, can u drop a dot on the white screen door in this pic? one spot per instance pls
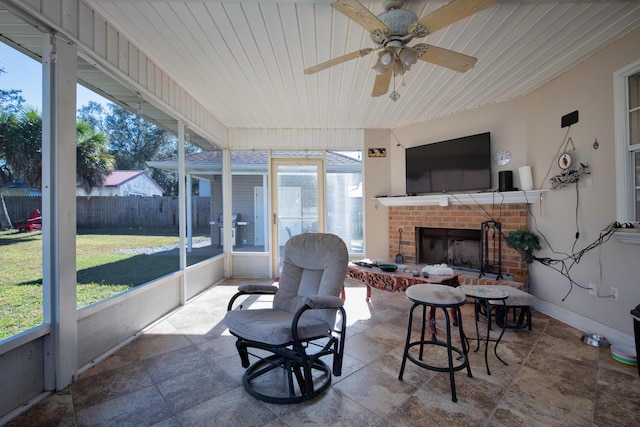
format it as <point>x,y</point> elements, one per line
<point>298,201</point>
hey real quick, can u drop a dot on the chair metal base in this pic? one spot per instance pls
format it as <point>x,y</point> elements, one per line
<point>311,380</point>
<point>271,378</point>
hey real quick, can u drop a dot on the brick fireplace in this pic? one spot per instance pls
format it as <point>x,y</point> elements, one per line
<point>512,216</point>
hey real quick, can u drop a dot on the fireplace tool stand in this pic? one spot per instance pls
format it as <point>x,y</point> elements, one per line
<point>491,247</point>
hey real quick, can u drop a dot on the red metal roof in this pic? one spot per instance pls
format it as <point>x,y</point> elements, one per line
<point>117,178</point>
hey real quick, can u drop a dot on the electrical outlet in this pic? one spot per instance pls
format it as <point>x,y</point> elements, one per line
<point>613,294</point>
<point>593,288</point>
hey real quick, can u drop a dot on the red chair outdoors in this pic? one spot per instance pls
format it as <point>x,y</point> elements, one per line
<point>33,222</point>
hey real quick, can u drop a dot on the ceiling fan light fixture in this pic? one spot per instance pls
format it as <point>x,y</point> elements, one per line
<point>408,57</point>
<point>386,58</point>
<point>399,68</point>
<point>379,68</point>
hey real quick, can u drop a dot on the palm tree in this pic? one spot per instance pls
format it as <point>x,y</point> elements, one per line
<point>22,148</point>
<point>94,162</point>
<point>6,121</point>
<point>21,152</point>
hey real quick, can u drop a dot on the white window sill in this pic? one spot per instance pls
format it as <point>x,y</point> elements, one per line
<point>631,236</point>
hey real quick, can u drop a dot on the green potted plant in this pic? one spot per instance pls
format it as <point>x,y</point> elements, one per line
<point>525,242</point>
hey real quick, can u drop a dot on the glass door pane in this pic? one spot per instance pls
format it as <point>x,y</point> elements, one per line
<point>297,204</point>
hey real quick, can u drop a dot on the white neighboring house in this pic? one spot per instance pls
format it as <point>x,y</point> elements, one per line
<point>19,188</point>
<point>125,183</point>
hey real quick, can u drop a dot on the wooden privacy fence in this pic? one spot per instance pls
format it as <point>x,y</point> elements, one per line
<point>117,212</point>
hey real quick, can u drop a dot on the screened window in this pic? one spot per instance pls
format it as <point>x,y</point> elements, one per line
<point>249,201</point>
<point>627,116</point>
<point>21,270</point>
<point>344,198</point>
<point>634,138</point>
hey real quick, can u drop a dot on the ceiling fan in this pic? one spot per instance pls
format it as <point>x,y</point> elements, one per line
<point>394,28</point>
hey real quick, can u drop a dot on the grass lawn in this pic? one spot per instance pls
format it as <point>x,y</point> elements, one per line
<point>108,263</point>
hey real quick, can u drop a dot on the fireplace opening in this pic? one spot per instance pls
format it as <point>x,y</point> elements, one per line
<point>458,248</point>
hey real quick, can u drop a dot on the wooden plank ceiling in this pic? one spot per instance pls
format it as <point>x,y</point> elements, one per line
<point>244,60</point>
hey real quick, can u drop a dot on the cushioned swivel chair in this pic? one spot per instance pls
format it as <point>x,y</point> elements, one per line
<point>300,328</point>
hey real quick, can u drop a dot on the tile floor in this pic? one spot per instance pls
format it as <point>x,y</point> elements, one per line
<point>185,371</point>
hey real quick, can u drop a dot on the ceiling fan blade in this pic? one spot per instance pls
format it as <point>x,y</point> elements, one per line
<point>453,12</point>
<point>448,58</point>
<point>362,16</point>
<point>381,85</point>
<point>339,60</point>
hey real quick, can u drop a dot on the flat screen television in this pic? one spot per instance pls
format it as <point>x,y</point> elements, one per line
<point>457,165</point>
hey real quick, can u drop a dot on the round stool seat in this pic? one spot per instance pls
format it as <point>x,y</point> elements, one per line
<point>437,295</point>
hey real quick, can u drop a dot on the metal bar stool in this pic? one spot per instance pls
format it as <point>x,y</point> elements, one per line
<point>518,301</point>
<point>444,297</point>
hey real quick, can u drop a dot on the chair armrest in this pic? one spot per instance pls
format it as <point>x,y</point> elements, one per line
<point>317,302</point>
<point>251,289</point>
<point>323,301</point>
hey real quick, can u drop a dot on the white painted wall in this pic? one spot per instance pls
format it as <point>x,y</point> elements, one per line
<point>588,88</point>
<point>299,139</point>
<point>378,174</point>
<point>506,122</point>
<point>530,129</point>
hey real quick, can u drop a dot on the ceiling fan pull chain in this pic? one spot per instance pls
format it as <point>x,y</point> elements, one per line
<point>394,95</point>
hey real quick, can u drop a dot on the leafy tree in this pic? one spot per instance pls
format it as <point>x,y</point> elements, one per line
<point>7,122</point>
<point>95,114</point>
<point>11,104</point>
<point>94,163</point>
<point>23,148</point>
<point>11,100</point>
<point>134,141</point>
<point>22,151</point>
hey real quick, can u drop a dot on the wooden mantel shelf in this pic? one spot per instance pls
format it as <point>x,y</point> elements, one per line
<point>447,199</point>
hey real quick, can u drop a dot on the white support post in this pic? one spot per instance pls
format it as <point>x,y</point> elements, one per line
<point>189,214</point>
<point>266,210</point>
<point>59,70</point>
<point>226,210</point>
<point>182,214</point>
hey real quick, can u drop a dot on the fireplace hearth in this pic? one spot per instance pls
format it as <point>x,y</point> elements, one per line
<point>458,248</point>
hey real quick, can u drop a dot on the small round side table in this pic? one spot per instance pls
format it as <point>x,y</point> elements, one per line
<point>481,295</point>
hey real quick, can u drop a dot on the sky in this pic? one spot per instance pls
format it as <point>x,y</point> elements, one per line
<point>22,72</point>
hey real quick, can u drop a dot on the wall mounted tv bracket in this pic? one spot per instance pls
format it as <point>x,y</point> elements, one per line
<point>569,176</point>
